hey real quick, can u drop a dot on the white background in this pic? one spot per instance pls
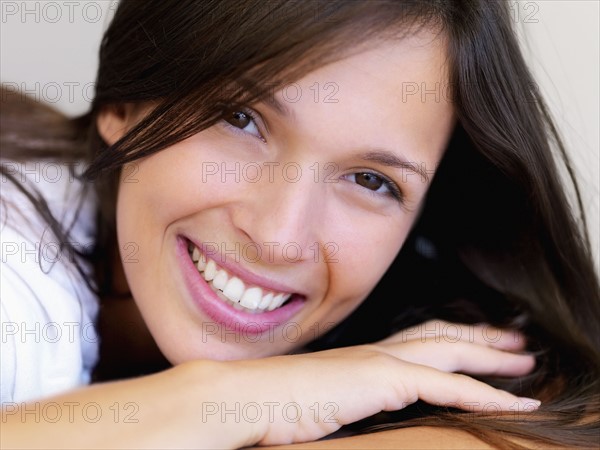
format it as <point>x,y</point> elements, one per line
<point>50,49</point>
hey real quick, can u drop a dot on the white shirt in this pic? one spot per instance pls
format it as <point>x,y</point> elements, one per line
<point>48,339</point>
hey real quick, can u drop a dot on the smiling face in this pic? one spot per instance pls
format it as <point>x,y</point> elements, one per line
<point>294,215</point>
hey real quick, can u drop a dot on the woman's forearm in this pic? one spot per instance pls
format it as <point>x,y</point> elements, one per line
<point>267,401</point>
<point>163,410</point>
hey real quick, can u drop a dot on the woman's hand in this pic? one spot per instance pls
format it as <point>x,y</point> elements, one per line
<point>451,347</point>
<point>298,398</point>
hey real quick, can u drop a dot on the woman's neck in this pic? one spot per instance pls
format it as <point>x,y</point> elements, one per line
<point>127,348</point>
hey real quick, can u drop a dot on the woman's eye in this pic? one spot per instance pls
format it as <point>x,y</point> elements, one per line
<point>244,121</point>
<point>369,181</point>
<point>377,184</point>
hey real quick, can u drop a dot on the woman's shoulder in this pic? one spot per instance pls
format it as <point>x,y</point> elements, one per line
<point>48,312</point>
<point>402,438</point>
<point>419,437</point>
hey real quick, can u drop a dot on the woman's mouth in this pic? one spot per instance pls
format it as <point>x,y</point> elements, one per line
<point>232,290</point>
<point>232,296</point>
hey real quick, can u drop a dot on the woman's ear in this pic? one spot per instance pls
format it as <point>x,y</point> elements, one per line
<point>114,121</point>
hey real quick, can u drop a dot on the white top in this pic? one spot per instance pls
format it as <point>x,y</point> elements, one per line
<point>48,340</point>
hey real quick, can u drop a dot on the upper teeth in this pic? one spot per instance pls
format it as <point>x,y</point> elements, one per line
<point>228,287</point>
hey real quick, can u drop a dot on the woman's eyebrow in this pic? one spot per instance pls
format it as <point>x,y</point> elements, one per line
<point>389,159</point>
<point>380,156</point>
<point>280,108</point>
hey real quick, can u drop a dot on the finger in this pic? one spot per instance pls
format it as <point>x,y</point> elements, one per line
<point>483,334</point>
<point>462,356</point>
<point>501,338</point>
<point>460,391</point>
<point>467,393</point>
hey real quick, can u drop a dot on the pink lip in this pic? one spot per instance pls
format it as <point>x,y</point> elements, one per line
<point>226,315</point>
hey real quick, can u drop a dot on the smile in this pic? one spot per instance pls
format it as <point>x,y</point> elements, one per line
<point>232,290</point>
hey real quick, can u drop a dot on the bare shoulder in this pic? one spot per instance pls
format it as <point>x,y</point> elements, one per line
<point>404,438</point>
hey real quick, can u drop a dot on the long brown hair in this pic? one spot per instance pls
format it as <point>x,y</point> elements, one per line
<point>498,240</point>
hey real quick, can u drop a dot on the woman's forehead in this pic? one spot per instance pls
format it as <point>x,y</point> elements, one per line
<point>392,94</point>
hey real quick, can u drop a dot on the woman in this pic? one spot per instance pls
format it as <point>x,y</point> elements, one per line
<point>260,167</point>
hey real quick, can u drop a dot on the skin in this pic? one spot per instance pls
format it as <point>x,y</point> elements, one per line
<point>426,438</point>
<point>173,407</point>
<point>365,228</point>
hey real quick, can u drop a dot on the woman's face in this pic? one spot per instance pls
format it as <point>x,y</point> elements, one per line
<point>308,207</point>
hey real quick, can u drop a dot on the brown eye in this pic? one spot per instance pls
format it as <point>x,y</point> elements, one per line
<point>369,181</point>
<point>376,184</point>
<point>244,122</point>
<point>239,119</point>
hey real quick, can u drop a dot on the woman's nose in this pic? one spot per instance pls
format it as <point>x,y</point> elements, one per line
<point>284,217</point>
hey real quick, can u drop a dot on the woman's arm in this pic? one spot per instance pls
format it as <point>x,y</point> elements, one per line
<point>276,400</point>
<point>155,411</point>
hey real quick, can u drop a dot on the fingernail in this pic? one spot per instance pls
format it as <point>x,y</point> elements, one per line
<point>530,402</point>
